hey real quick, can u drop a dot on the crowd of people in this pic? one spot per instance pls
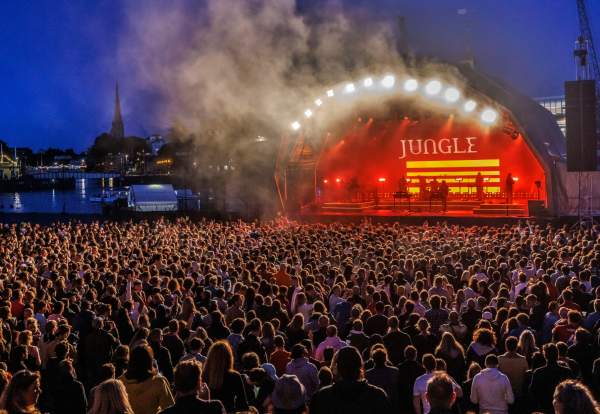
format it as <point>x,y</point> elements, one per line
<point>143,317</point>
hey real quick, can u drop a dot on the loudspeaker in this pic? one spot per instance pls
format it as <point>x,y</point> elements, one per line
<point>536,208</point>
<point>580,100</point>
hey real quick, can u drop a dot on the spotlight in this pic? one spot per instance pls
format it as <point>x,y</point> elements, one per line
<point>349,88</point>
<point>470,105</point>
<point>325,181</point>
<point>388,81</point>
<point>411,85</point>
<point>318,102</point>
<point>338,180</point>
<point>330,93</point>
<point>451,95</point>
<point>433,87</point>
<point>489,116</point>
<point>381,179</point>
<point>308,113</point>
<point>295,125</point>
<point>368,82</point>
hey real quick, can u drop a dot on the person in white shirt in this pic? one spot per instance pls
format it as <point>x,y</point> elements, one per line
<point>491,389</point>
<point>420,402</point>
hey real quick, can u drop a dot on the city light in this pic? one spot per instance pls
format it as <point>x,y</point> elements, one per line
<point>411,85</point>
<point>330,93</point>
<point>295,125</point>
<point>368,82</point>
<point>308,113</point>
<point>349,88</point>
<point>489,116</point>
<point>388,81</point>
<point>433,87</point>
<point>470,105</point>
<point>451,95</point>
<point>318,102</point>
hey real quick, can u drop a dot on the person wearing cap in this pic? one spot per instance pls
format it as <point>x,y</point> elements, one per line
<point>302,368</point>
<point>350,393</point>
<point>191,393</point>
<point>289,396</point>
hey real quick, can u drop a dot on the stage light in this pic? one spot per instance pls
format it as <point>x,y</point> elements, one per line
<point>433,87</point>
<point>308,113</point>
<point>349,88</point>
<point>368,82</point>
<point>451,95</point>
<point>338,180</point>
<point>381,180</point>
<point>325,181</point>
<point>295,125</point>
<point>470,105</point>
<point>388,81</point>
<point>489,116</point>
<point>515,179</point>
<point>330,93</point>
<point>318,102</point>
<point>411,85</point>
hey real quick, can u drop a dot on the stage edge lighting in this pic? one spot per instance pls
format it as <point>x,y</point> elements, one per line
<point>295,125</point>
<point>489,116</point>
<point>349,88</point>
<point>388,81</point>
<point>470,105</point>
<point>433,87</point>
<point>330,93</point>
<point>368,82</point>
<point>411,85</point>
<point>318,102</point>
<point>308,113</point>
<point>451,95</point>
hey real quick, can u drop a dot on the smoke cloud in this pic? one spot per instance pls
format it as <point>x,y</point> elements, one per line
<point>225,66</point>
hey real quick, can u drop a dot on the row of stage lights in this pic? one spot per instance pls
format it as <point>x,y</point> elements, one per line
<point>410,180</point>
<point>433,88</point>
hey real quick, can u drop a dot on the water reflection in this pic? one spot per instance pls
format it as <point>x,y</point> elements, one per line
<point>57,200</point>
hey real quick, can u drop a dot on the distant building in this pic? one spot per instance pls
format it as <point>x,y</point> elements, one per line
<point>156,143</point>
<point>556,106</point>
<point>9,168</point>
<point>118,128</point>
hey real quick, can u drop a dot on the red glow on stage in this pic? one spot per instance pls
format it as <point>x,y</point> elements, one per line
<point>451,149</point>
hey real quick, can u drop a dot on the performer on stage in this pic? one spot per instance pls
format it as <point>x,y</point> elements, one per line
<point>444,190</point>
<point>422,188</point>
<point>509,188</point>
<point>402,185</point>
<point>479,186</point>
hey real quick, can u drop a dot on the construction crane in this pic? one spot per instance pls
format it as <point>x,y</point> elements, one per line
<point>585,52</point>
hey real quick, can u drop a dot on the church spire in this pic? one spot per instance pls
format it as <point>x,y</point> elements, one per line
<point>118,129</point>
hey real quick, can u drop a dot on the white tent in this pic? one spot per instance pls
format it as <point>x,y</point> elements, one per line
<point>152,197</point>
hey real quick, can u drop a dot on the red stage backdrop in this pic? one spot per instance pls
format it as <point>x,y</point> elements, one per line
<point>376,155</point>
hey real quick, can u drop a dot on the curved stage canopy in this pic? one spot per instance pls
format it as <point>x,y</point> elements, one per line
<point>374,133</point>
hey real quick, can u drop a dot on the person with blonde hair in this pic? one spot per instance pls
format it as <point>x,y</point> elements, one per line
<point>527,346</point>
<point>573,397</point>
<point>110,397</point>
<point>224,382</point>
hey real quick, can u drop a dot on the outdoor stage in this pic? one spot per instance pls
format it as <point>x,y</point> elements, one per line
<point>458,212</point>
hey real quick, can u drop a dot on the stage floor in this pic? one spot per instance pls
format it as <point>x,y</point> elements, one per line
<point>458,213</point>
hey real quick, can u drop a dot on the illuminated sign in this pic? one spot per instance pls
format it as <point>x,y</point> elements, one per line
<point>457,145</point>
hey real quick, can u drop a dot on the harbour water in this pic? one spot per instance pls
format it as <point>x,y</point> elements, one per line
<point>70,201</point>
